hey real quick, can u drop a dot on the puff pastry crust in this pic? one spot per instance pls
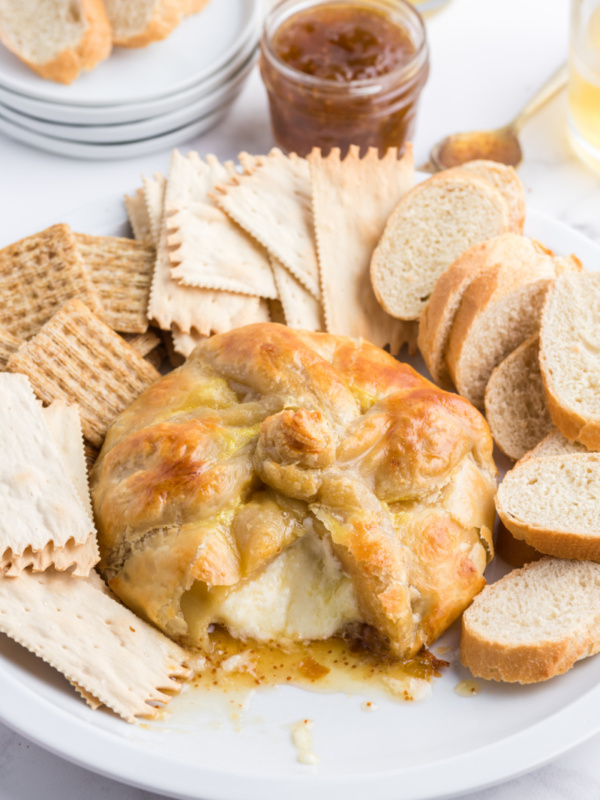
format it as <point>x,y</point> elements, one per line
<point>268,433</point>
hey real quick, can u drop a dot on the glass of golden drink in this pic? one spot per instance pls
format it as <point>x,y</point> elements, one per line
<point>584,81</point>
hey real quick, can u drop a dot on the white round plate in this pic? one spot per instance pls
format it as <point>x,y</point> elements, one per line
<point>130,112</point>
<point>200,47</point>
<point>108,152</point>
<point>133,131</point>
<point>444,746</point>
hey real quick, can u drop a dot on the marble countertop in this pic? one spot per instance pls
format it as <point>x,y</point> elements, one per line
<point>488,58</point>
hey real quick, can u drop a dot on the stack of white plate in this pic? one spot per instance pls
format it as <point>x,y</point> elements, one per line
<point>139,100</point>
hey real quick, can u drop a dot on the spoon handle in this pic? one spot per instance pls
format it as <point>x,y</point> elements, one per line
<point>554,84</point>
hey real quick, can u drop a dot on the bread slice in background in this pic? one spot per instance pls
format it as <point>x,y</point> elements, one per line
<point>553,504</point>
<point>554,444</point>
<point>506,180</point>
<point>501,307</point>
<point>56,38</point>
<point>534,623</point>
<point>515,407</point>
<point>429,228</point>
<point>570,356</point>
<point>438,315</point>
<point>137,23</point>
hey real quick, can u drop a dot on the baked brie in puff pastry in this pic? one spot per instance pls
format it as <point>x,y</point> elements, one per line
<point>288,485</point>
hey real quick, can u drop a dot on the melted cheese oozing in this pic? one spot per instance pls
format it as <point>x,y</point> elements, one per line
<point>302,594</point>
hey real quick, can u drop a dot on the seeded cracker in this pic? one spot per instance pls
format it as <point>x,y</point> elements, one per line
<point>121,271</point>
<point>193,313</point>
<point>138,217</point>
<point>207,249</point>
<point>78,358</point>
<point>37,276</point>
<point>99,645</point>
<point>43,521</point>
<point>9,344</point>
<point>352,200</point>
<point>272,201</point>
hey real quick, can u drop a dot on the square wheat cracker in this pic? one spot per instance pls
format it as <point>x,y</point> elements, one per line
<point>207,249</point>
<point>352,200</point>
<point>77,357</point>
<point>101,647</point>
<point>121,271</point>
<point>9,344</point>
<point>272,201</point>
<point>40,274</point>
<point>43,520</point>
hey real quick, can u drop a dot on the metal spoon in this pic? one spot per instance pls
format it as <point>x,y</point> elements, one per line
<point>497,145</point>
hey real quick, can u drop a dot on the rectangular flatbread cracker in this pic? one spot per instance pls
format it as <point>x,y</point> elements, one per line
<point>191,312</point>
<point>352,200</point>
<point>43,521</point>
<point>154,195</point>
<point>300,309</point>
<point>138,216</point>
<point>9,344</point>
<point>100,646</point>
<point>64,423</point>
<point>207,249</point>
<point>37,276</point>
<point>78,358</point>
<point>272,201</point>
<point>121,271</point>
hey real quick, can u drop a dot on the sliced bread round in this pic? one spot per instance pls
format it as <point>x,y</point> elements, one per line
<point>570,356</point>
<point>438,315</point>
<point>515,408</point>
<point>56,38</point>
<point>534,623</point>
<point>137,23</point>
<point>506,180</point>
<point>429,228</point>
<point>500,308</point>
<point>553,503</point>
<point>554,444</point>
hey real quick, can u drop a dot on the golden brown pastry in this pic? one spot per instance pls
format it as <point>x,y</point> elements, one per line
<point>288,485</point>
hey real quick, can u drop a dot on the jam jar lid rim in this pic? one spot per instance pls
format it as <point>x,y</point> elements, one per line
<point>417,61</point>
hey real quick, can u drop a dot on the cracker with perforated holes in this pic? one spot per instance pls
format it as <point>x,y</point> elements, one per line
<point>121,271</point>
<point>9,344</point>
<point>272,201</point>
<point>37,276</point>
<point>100,646</point>
<point>138,216</point>
<point>43,520</point>
<point>207,249</point>
<point>352,200</point>
<point>78,358</point>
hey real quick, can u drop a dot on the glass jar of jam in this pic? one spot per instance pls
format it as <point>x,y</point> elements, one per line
<point>343,72</point>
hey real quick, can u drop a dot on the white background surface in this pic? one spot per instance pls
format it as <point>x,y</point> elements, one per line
<point>488,56</point>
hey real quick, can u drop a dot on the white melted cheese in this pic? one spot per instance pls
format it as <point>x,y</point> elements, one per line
<point>302,594</point>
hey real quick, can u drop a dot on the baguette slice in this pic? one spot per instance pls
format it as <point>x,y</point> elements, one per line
<point>506,180</point>
<point>438,315</point>
<point>515,408</point>
<point>501,307</point>
<point>553,503</point>
<point>534,623</point>
<point>137,23</point>
<point>56,38</point>
<point>429,228</point>
<point>570,357</point>
<point>554,444</point>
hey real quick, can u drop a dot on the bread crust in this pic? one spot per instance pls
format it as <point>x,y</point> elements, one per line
<point>506,180</point>
<point>167,16</point>
<point>557,542</point>
<point>487,289</point>
<point>95,46</point>
<point>523,663</point>
<point>439,313</point>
